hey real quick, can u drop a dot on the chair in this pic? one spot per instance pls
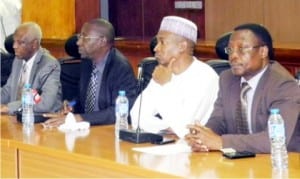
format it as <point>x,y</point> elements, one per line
<point>297,76</point>
<point>221,64</point>
<point>147,64</point>
<point>221,43</point>
<point>7,59</point>
<point>70,73</point>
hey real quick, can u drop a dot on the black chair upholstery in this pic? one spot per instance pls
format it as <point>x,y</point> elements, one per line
<point>70,69</point>
<point>222,63</point>
<point>219,65</point>
<point>7,59</point>
<point>221,43</point>
<point>147,64</point>
<point>71,47</point>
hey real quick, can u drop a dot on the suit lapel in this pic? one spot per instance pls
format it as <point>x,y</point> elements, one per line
<point>257,98</point>
<point>16,80</point>
<point>233,99</point>
<point>35,66</point>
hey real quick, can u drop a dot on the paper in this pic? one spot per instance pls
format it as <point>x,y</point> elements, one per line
<point>168,149</point>
<point>71,124</point>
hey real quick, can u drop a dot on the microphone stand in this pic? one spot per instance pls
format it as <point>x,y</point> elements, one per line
<point>138,136</point>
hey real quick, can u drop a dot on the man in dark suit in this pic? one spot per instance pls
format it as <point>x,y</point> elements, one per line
<point>250,52</point>
<point>42,72</point>
<point>103,69</point>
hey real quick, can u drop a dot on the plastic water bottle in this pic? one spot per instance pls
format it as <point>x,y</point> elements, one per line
<point>27,109</point>
<point>279,156</point>
<point>121,111</point>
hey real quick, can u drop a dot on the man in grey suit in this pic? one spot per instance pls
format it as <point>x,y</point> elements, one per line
<point>250,52</point>
<point>33,65</point>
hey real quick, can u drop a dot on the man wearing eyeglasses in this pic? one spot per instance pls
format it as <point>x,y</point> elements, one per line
<point>104,71</point>
<point>270,85</point>
<point>33,65</point>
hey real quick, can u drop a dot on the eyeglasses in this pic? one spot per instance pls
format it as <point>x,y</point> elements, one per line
<point>240,50</point>
<point>84,37</point>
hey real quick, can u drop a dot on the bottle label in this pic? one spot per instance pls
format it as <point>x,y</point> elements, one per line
<point>276,130</point>
<point>123,109</point>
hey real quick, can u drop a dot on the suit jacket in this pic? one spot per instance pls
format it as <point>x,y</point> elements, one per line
<point>276,89</point>
<point>117,75</point>
<point>42,66</point>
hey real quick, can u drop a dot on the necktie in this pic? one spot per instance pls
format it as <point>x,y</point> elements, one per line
<point>241,113</point>
<point>22,80</point>
<point>91,91</point>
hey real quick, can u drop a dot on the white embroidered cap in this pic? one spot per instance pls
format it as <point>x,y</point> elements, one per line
<point>180,26</point>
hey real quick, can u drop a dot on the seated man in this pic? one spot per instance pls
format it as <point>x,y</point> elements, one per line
<point>33,65</point>
<point>182,89</point>
<point>104,71</point>
<point>250,52</point>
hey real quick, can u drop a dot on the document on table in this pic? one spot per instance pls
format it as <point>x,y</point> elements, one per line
<point>167,149</point>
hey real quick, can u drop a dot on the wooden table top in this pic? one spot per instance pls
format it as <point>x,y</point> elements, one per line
<point>99,143</point>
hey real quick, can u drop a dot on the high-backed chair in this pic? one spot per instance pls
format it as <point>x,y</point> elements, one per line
<point>148,64</point>
<point>297,76</point>
<point>70,69</point>
<point>7,59</point>
<point>221,64</point>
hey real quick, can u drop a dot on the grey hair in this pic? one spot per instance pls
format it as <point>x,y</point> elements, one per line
<point>34,31</point>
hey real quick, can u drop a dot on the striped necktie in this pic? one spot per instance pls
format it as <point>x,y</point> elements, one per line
<point>241,112</point>
<point>91,91</point>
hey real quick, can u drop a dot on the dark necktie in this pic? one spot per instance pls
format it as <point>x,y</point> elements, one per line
<point>241,112</point>
<point>91,91</point>
<point>22,81</point>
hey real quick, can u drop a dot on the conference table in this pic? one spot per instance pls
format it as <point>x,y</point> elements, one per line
<point>48,153</point>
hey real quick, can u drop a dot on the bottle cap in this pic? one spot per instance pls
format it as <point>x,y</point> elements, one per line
<point>27,85</point>
<point>274,111</point>
<point>122,93</point>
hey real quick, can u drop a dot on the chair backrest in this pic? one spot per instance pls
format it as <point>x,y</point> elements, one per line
<point>71,47</point>
<point>221,43</point>
<point>297,76</point>
<point>70,73</point>
<point>8,44</point>
<point>7,59</point>
<point>147,64</point>
<point>219,65</point>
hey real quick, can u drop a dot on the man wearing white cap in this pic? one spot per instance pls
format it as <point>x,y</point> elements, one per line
<point>182,89</point>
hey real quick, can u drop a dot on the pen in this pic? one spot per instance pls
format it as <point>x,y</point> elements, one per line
<point>72,103</point>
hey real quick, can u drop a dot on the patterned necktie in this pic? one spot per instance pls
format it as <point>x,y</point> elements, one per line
<point>241,112</point>
<point>22,80</point>
<point>91,91</point>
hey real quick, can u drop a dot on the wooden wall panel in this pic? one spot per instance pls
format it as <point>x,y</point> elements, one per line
<point>141,18</point>
<point>126,16</point>
<point>56,18</point>
<point>86,10</point>
<point>282,19</point>
<point>223,16</point>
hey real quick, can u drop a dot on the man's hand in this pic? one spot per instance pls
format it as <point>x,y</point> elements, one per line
<point>203,139</point>
<point>4,109</point>
<point>162,74</point>
<point>57,119</point>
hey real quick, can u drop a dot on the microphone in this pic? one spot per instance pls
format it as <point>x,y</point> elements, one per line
<point>37,92</point>
<point>38,117</point>
<point>137,136</point>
